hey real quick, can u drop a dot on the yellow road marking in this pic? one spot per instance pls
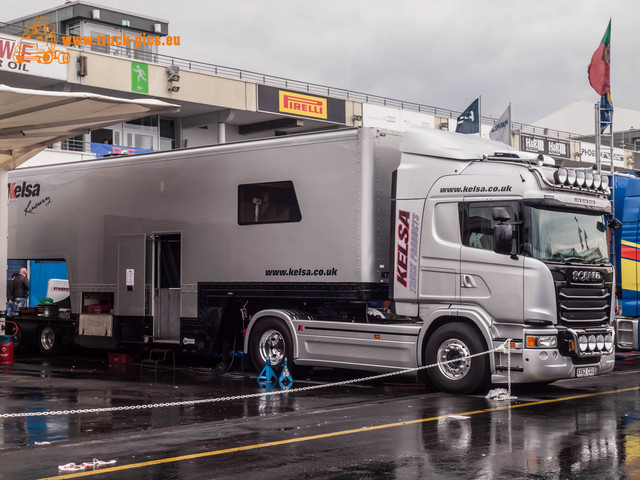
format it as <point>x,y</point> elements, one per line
<point>328,435</point>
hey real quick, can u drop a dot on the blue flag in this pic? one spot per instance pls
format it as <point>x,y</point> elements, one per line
<point>469,120</point>
<point>606,111</point>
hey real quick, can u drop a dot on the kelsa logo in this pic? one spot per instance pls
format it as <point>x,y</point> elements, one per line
<point>403,247</point>
<point>306,105</point>
<point>25,190</point>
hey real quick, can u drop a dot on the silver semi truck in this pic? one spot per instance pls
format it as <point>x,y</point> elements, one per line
<point>351,248</point>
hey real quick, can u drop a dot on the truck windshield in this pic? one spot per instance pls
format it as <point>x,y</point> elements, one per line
<point>568,237</point>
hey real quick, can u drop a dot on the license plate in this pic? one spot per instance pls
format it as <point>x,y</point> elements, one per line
<point>586,371</point>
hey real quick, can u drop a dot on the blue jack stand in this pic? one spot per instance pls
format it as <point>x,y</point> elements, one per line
<point>285,379</point>
<point>267,375</point>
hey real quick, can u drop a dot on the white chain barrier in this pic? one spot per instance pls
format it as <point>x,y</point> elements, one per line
<point>503,348</point>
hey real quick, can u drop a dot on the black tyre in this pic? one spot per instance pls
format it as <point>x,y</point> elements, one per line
<point>453,342</point>
<point>272,340</point>
<point>47,341</point>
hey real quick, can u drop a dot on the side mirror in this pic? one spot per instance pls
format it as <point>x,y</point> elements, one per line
<point>503,238</point>
<point>614,224</point>
<point>500,214</point>
<point>502,232</point>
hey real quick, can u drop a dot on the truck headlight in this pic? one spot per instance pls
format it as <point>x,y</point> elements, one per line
<point>588,179</point>
<point>583,343</point>
<point>542,341</point>
<point>608,341</point>
<point>560,176</point>
<point>597,180</point>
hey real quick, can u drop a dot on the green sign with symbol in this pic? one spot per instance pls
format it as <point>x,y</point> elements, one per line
<point>139,77</point>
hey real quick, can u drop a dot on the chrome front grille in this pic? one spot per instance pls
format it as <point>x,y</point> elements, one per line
<point>584,306</point>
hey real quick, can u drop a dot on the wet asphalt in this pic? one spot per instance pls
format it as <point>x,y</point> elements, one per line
<point>224,429</point>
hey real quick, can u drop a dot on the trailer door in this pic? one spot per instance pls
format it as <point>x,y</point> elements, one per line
<point>166,287</point>
<point>130,299</point>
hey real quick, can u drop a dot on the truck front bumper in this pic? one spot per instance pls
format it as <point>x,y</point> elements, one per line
<point>532,365</point>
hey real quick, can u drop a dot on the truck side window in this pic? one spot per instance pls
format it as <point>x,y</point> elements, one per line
<point>477,225</point>
<point>271,202</point>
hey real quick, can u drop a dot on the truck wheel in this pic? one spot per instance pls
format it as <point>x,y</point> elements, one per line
<point>452,342</point>
<point>47,341</point>
<point>271,340</point>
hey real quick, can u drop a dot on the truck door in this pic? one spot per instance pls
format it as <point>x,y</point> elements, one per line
<point>166,287</point>
<point>488,279</point>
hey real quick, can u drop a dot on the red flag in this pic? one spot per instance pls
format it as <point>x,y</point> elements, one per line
<point>599,67</point>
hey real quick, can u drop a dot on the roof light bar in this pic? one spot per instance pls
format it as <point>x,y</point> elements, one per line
<point>565,177</point>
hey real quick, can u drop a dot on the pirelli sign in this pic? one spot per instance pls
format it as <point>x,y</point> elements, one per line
<point>276,100</point>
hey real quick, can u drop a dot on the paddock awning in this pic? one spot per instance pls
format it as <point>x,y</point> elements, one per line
<point>30,120</point>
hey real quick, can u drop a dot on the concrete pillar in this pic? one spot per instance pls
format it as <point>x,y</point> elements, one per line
<point>86,142</point>
<point>224,117</point>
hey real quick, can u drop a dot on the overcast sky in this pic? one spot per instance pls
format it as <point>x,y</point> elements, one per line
<point>532,54</point>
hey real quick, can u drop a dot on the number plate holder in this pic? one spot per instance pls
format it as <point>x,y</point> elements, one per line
<point>586,372</point>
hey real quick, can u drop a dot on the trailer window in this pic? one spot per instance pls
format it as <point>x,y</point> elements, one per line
<point>272,202</point>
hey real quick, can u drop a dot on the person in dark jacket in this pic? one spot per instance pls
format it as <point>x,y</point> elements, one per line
<point>21,288</point>
<point>12,307</point>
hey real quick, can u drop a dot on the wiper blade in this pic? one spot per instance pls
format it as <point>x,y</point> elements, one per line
<point>571,260</point>
<point>597,260</point>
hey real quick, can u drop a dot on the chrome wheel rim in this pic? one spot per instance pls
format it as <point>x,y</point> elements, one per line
<point>272,347</point>
<point>47,338</point>
<point>453,351</point>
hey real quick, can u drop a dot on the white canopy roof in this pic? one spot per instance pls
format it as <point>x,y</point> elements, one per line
<point>32,119</point>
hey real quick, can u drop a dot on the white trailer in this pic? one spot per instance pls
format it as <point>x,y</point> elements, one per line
<point>354,248</point>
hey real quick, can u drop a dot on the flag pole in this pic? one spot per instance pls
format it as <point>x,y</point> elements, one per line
<point>509,117</point>
<point>613,170</point>
<point>611,143</point>
<point>597,121</point>
<point>480,116</point>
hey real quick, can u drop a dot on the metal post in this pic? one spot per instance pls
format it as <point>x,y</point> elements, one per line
<point>597,112</point>
<point>4,233</point>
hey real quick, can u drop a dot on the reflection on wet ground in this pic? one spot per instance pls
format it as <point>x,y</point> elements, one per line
<point>36,384</point>
<point>579,428</point>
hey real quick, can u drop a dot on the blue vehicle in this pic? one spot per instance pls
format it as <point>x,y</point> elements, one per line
<point>625,253</point>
